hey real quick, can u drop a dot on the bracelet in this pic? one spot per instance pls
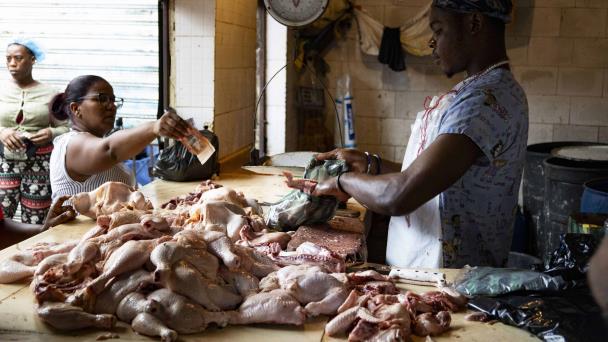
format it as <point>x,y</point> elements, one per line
<point>378,163</point>
<point>369,163</point>
<point>338,182</point>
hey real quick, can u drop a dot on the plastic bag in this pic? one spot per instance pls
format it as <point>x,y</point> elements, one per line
<point>566,269</point>
<point>298,208</point>
<point>176,163</point>
<point>491,281</point>
<point>570,315</point>
<point>571,259</point>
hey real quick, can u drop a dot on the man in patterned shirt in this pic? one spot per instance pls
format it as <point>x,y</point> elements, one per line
<point>453,199</point>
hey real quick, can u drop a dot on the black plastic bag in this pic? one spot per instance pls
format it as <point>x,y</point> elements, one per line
<point>570,315</point>
<point>299,208</point>
<point>176,163</point>
<point>571,259</point>
<point>566,269</point>
<point>564,309</point>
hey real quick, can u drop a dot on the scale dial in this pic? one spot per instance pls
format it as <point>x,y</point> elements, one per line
<point>296,12</point>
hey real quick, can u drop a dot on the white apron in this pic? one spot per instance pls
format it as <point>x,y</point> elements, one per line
<point>414,241</point>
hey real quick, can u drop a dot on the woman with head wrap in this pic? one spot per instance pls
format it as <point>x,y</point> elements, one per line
<point>26,134</point>
<point>454,198</point>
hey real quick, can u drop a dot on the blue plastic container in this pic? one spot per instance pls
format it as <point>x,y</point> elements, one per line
<point>595,196</point>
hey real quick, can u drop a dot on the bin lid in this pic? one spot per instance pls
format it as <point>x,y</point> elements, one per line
<point>582,153</point>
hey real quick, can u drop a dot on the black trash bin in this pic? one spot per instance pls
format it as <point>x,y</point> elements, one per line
<point>564,181</point>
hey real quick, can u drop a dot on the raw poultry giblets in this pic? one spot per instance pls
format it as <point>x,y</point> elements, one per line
<point>208,258</point>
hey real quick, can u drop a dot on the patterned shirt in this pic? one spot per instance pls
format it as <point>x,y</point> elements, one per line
<point>478,211</point>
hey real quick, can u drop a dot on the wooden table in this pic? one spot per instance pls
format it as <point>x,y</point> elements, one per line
<point>18,321</point>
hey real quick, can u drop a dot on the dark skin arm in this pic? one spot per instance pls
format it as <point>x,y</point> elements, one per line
<point>400,193</point>
<point>88,155</point>
<point>12,232</point>
<point>357,161</point>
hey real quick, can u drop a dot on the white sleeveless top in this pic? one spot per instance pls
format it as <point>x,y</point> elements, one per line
<point>63,184</point>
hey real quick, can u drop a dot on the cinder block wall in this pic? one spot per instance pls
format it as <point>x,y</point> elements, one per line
<point>558,50</point>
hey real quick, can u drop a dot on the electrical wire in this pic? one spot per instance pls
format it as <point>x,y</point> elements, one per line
<point>333,101</point>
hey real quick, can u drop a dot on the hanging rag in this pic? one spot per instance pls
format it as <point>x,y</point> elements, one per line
<point>414,34</point>
<point>391,52</point>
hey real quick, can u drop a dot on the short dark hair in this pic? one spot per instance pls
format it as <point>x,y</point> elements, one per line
<point>77,88</point>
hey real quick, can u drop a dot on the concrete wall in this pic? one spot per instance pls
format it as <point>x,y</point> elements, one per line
<point>235,44</point>
<point>213,67</point>
<point>559,53</point>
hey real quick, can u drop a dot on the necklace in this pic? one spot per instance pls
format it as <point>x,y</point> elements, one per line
<point>473,77</point>
<point>429,106</point>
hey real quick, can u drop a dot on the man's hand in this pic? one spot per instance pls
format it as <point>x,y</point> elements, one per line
<point>59,213</point>
<point>11,139</point>
<point>42,137</point>
<point>329,187</point>
<point>355,159</point>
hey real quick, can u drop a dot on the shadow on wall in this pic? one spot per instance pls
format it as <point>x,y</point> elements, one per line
<point>520,28</point>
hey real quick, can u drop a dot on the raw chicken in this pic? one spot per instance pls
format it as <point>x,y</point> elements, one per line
<point>149,325</point>
<point>243,283</point>
<point>184,316</point>
<point>310,254</point>
<point>230,217</point>
<point>23,264</point>
<point>320,292</point>
<point>119,218</point>
<point>67,317</point>
<point>12,271</point>
<point>38,252</point>
<point>429,324</point>
<point>224,194</point>
<point>276,306</point>
<point>187,281</point>
<point>129,257</point>
<point>108,300</point>
<point>260,265</point>
<point>110,197</point>
<point>252,238</point>
<point>133,304</point>
<point>221,246</point>
<point>168,253</point>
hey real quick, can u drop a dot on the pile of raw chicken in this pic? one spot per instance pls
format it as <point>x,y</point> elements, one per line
<point>207,258</point>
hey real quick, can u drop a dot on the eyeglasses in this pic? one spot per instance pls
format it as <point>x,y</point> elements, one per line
<point>105,99</point>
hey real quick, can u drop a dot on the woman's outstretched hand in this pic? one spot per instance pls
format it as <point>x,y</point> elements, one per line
<point>170,125</point>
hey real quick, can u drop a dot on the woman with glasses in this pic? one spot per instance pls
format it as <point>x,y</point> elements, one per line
<point>84,158</point>
<point>26,134</point>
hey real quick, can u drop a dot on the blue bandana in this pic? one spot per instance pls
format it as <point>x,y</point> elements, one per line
<point>31,45</point>
<point>500,9</point>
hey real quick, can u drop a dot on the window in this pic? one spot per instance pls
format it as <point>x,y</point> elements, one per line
<point>115,39</point>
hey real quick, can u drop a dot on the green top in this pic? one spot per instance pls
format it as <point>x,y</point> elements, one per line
<point>34,102</point>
